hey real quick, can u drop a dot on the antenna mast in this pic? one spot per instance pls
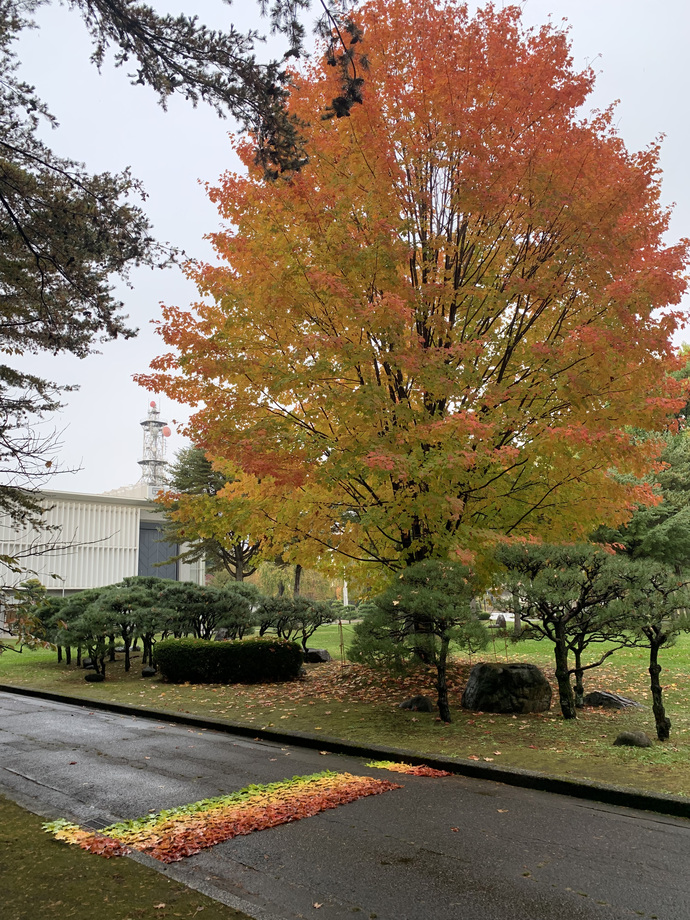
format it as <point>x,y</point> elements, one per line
<point>153,463</point>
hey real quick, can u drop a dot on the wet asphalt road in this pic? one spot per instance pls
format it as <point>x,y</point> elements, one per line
<point>516,854</point>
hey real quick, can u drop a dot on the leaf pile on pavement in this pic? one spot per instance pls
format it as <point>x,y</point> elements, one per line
<point>172,834</point>
<point>420,770</point>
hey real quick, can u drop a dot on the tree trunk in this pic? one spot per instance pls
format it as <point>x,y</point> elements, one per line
<point>68,654</point>
<point>59,654</point>
<point>126,640</point>
<point>565,691</point>
<point>298,579</point>
<point>111,648</point>
<point>79,656</point>
<point>441,684</point>
<point>517,617</point>
<point>579,679</point>
<point>239,562</point>
<point>663,724</point>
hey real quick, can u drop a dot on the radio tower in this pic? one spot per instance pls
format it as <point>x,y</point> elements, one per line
<point>153,464</point>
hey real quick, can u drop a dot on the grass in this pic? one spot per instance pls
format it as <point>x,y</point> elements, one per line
<point>350,702</point>
<point>43,879</point>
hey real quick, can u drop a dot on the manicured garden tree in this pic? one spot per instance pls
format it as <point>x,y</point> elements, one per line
<point>310,616</point>
<point>293,617</point>
<point>203,610</point>
<point>93,629</point>
<point>70,613</point>
<point>427,607</point>
<point>124,606</point>
<point>153,617</point>
<point>49,612</point>
<point>656,605</point>
<point>566,591</point>
<point>275,613</point>
<point>239,605</point>
<point>191,609</point>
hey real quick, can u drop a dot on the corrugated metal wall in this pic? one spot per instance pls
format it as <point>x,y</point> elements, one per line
<point>94,543</point>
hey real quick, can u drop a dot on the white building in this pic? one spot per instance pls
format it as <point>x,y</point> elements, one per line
<point>94,540</point>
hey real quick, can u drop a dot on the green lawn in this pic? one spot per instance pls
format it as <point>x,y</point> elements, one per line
<point>43,879</point>
<point>350,702</point>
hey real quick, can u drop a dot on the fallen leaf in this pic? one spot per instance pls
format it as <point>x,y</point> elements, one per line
<point>502,811</point>
<point>455,829</point>
<point>159,906</point>
<point>473,757</point>
<point>316,905</point>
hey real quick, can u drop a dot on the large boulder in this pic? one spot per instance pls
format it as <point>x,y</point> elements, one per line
<point>317,655</point>
<point>633,739</point>
<point>518,687</point>
<point>94,678</point>
<point>418,704</point>
<point>605,700</point>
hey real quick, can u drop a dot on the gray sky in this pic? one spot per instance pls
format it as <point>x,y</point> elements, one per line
<point>639,48</point>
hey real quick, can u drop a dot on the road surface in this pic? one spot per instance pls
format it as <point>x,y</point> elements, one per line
<point>516,854</point>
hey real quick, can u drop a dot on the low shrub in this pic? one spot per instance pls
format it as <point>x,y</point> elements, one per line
<point>248,661</point>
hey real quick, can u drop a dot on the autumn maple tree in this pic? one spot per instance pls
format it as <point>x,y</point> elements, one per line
<point>446,325</point>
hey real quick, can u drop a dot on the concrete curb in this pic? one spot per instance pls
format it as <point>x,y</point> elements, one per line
<point>673,805</point>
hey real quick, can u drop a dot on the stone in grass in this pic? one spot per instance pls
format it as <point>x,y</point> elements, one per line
<point>418,704</point>
<point>508,688</point>
<point>605,700</point>
<point>148,671</point>
<point>317,655</point>
<point>94,678</point>
<point>633,739</point>
<point>86,663</point>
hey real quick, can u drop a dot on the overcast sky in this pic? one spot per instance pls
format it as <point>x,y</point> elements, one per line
<point>639,48</point>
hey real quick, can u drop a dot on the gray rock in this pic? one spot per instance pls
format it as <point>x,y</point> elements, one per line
<point>148,671</point>
<point>500,621</point>
<point>633,739</point>
<point>221,635</point>
<point>86,663</point>
<point>94,678</point>
<point>517,687</point>
<point>418,704</point>
<point>317,655</point>
<point>606,700</point>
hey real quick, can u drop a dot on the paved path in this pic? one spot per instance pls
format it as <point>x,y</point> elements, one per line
<point>517,854</point>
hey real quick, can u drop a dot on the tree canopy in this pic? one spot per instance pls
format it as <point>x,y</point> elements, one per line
<point>439,330</point>
<point>660,531</point>
<point>201,519</point>
<point>66,233</point>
